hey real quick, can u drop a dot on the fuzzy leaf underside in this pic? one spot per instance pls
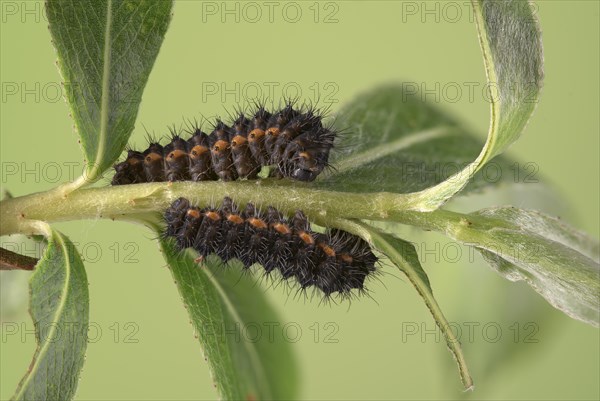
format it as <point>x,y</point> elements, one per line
<point>401,139</point>
<point>510,40</point>
<point>398,143</point>
<point>59,307</point>
<point>557,261</point>
<point>221,303</point>
<point>106,50</point>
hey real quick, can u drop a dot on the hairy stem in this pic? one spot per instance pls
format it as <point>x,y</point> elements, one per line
<point>128,202</point>
<point>120,201</point>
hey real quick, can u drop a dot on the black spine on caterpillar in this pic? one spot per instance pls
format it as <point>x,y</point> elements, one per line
<point>177,161</point>
<point>295,142</point>
<point>304,145</point>
<point>243,160</point>
<point>174,216</point>
<point>200,157</point>
<point>130,171</point>
<point>233,226</point>
<point>276,125</point>
<point>154,163</point>
<point>222,159</point>
<point>256,136</point>
<point>334,262</point>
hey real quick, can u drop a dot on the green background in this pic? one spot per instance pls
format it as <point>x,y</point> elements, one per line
<point>372,42</point>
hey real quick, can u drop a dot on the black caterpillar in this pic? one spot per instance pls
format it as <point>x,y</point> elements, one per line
<point>334,262</point>
<point>295,142</point>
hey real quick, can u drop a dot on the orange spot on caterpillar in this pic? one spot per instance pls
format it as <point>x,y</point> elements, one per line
<point>198,150</point>
<point>255,134</point>
<point>306,237</point>
<point>152,157</point>
<point>195,213</point>
<point>176,154</point>
<point>235,218</point>
<point>213,215</point>
<point>282,228</point>
<point>273,131</point>
<point>257,223</point>
<point>220,145</point>
<point>329,251</point>
<point>345,258</point>
<point>238,140</point>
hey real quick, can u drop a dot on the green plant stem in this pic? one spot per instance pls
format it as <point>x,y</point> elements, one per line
<point>129,202</point>
<point>119,201</point>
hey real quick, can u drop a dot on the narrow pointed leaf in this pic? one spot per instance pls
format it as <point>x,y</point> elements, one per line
<point>408,147</point>
<point>511,43</point>
<point>59,306</point>
<point>106,49</point>
<point>404,255</point>
<point>221,305</point>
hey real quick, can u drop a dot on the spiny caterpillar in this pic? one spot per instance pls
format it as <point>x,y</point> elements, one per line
<point>333,262</point>
<point>295,141</point>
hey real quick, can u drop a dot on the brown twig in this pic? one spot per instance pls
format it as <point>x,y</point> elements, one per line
<point>10,260</point>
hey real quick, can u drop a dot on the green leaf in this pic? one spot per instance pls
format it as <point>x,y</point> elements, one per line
<point>106,49</point>
<point>222,307</point>
<point>404,255</point>
<point>404,145</point>
<point>59,306</point>
<point>510,39</point>
<point>402,140</point>
<point>557,261</point>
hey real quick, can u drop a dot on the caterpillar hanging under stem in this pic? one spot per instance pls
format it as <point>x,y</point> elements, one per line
<point>333,262</point>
